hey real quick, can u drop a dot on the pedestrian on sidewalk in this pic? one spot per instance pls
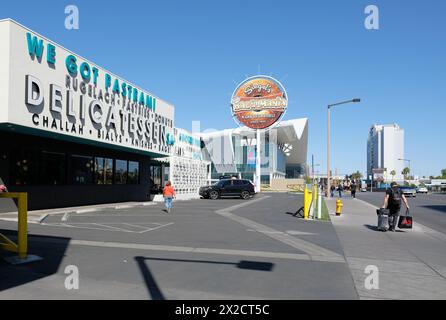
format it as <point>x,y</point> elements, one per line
<point>392,201</point>
<point>353,189</point>
<point>332,190</point>
<point>169,195</point>
<point>340,189</point>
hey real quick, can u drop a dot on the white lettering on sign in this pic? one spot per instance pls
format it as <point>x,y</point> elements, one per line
<point>34,94</point>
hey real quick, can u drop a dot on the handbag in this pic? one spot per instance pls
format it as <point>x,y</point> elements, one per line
<point>405,222</point>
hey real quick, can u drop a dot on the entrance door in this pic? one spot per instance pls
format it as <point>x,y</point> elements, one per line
<point>156,179</point>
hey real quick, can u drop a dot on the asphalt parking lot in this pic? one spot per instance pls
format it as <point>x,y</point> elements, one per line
<point>203,249</point>
<point>428,209</point>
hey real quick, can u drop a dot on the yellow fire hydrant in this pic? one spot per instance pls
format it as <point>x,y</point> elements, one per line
<point>339,206</point>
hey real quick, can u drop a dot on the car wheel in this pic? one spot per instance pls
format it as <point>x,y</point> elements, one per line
<point>213,195</point>
<point>245,195</point>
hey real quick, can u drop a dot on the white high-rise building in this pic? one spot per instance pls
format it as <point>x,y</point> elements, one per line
<point>385,148</point>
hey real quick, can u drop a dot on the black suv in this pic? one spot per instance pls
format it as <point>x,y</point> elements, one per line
<point>228,188</point>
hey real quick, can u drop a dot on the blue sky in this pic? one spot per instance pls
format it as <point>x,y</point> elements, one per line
<point>193,53</point>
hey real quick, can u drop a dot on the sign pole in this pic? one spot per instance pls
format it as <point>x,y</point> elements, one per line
<point>258,162</point>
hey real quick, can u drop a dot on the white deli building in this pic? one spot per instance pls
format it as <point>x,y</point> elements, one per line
<point>74,133</point>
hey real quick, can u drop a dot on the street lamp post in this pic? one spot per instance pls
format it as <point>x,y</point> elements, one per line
<point>329,139</point>
<point>313,165</point>
<point>316,165</point>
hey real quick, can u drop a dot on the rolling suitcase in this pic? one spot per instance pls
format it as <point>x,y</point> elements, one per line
<point>383,219</point>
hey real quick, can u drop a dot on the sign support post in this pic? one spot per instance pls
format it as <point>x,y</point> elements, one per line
<point>258,162</point>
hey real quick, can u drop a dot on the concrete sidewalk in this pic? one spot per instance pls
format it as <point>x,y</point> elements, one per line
<point>411,264</point>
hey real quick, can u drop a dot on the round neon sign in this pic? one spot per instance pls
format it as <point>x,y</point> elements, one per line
<point>259,102</point>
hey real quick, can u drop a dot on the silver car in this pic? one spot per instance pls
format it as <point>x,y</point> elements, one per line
<point>409,191</point>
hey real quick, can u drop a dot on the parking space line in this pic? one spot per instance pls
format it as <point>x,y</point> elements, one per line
<point>136,226</point>
<point>161,226</point>
<point>66,225</point>
<point>112,226</point>
<point>115,228</point>
<point>66,216</point>
<point>81,226</point>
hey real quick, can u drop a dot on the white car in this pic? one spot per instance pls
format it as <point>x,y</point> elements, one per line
<point>422,190</point>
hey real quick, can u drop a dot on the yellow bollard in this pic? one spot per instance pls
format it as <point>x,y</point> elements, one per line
<point>21,248</point>
<point>306,206</point>
<point>339,206</point>
<point>22,226</point>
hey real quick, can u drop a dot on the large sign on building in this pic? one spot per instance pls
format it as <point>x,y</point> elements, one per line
<point>259,102</point>
<point>46,89</point>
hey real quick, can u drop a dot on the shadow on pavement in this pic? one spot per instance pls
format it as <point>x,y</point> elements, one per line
<point>441,208</point>
<point>155,291</point>
<point>52,253</point>
<point>299,213</point>
<point>375,228</point>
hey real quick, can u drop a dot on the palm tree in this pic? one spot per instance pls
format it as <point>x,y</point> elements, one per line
<point>393,174</point>
<point>356,176</point>
<point>405,172</point>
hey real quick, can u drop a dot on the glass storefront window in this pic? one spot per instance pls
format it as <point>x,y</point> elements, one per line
<point>52,168</point>
<point>121,172</point>
<point>103,171</point>
<point>81,169</point>
<point>23,168</point>
<point>133,173</point>
<point>43,167</point>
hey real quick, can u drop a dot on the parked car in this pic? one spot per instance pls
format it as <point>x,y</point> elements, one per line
<point>228,188</point>
<point>409,191</point>
<point>422,190</point>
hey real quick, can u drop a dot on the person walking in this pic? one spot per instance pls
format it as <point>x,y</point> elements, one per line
<point>392,201</point>
<point>340,189</point>
<point>353,189</point>
<point>169,195</point>
<point>332,190</point>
